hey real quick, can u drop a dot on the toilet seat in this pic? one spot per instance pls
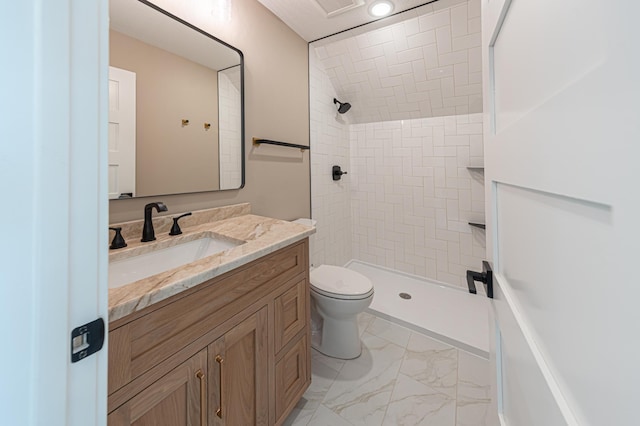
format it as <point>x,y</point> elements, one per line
<point>340,283</point>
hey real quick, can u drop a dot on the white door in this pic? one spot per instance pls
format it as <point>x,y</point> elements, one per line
<point>53,256</point>
<point>122,132</point>
<point>562,146</point>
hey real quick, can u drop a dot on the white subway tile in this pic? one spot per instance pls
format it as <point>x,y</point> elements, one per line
<point>371,52</point>
<point>461,75</point>
<point>466,248</point>
<point>410,55</point>
<point>477,206</point>
<point>453,252</point>
<point>461,44</point>
<point>439,73</point>
<point>442,261</point>
<point>476,147</point>
<point>419,71</point>
<point>479,252</point>
<point>455,140</point>
<point>446,4</point>
<point>423,38</point>
<point>452,210</point>
<point>459,20</point>
<point>452,58</point>
<point>445,111</point>
<point>475,59</point>
<point>445,235</point>
<point>473,9</point>
<point>431,267</point>
<point>455,101</point>
<point>443,40</point>
<point>411,26</point>
<point>434,20</point>
<point>430,54</point>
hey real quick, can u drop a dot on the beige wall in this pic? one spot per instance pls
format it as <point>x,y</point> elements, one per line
<point>276,107</point>
<point>170,158</point>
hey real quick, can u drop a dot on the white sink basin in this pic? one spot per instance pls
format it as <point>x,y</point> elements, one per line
<point>126,271</point>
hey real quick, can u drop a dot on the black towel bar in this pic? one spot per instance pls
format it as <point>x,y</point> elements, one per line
<point>257,141</point>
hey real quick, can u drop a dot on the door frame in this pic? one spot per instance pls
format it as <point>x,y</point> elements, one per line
<point>54,256</point>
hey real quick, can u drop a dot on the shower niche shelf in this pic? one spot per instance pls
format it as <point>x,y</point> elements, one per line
<point>479,169</point>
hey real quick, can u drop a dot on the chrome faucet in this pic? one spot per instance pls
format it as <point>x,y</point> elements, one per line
<point>148,234</point>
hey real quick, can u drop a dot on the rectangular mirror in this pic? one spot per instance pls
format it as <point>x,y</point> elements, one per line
<point>176,105</point>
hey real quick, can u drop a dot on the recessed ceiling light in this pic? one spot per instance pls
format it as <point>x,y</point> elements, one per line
<point>381,8</point>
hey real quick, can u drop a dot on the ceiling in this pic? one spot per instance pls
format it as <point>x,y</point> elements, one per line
<point>309,18</point>
<point>424,62</point>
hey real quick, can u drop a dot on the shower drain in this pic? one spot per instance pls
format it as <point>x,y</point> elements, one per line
<point>405,296</point>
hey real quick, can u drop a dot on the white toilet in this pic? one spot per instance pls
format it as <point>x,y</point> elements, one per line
<point>338,295</point>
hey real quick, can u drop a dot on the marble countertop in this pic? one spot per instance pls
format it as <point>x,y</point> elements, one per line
<point>259,236</point>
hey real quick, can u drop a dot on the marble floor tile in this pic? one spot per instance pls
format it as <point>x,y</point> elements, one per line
<point>364,319</point>
<point>474,406</point>
<point>322,377</point>
<point>301,413</point>
<point>333,363</point>
<point>363,387</point>
<point>432,363</point>
<point>326,417</point>
<point>402,378</point>
<point>389,331</point>
<point>413,403</point>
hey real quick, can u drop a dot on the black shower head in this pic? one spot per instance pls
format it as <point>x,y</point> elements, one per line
<point>343,107</point>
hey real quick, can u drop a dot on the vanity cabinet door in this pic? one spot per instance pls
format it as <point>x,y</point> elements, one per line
<point>291,314</point>
<point>238,373</point>
<point>292,376</point>
<point>178,398</point>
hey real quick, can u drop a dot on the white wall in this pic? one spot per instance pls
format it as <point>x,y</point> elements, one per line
<point>412,195</point>
<point>330,200</point>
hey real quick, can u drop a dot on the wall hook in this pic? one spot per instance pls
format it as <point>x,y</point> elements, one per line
<point>207,126</point>
<point>185,122</point>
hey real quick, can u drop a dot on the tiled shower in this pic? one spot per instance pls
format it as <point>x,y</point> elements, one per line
<point>414,128</point>
<point>412,195</point>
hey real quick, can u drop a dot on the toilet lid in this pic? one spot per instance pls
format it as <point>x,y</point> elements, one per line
<point>337,281</point>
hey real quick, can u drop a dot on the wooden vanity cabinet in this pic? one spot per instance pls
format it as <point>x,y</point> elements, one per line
<point>178,398</point>
<point>292,356</point>
<point>238,373</point>
<point>233,351</point>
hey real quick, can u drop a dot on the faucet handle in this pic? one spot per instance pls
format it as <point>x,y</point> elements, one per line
<point>175,229</point>
<point>118,240</point>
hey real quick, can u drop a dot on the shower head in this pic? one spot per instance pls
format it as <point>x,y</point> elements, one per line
<point>343,106</point>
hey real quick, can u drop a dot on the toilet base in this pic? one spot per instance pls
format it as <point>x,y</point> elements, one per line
<point>336,302</point>
<point>339,339</point>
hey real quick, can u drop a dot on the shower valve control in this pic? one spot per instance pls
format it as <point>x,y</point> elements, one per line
<point>337,173</point>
